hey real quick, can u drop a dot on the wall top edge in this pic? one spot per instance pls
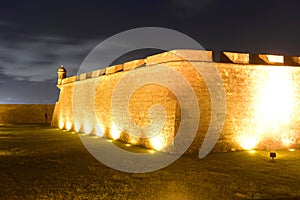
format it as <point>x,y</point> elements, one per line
<point>177,55</point>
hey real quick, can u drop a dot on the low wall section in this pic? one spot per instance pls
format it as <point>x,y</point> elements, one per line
<point>25,113</point>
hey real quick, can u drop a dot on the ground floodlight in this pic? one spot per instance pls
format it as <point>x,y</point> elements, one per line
<point>273,155</point>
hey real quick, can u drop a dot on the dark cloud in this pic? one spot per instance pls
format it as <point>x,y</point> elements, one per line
<point>193,6</point>
<point>38,59</point>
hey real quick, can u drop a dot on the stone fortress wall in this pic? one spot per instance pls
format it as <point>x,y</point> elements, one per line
<point>262,100</point>
<point>25,113</point>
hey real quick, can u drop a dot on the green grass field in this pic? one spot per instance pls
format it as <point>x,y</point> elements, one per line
<point>45,163</point>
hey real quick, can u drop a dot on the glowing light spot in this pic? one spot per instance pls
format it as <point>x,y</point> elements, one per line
<point>275,101</point>
<point>99,131</point>
<point>115,132</point>
<point>127,145</point>
<point>68,125</point>
<point>133,140</point>
<point>248,142</point>
<point>61,124</point>
<point>77,126</point>
<point>151,151</point>
<point>291,150</point>
<point>87,128</point>
<point>157,142</point>
<point>109,141</point>
<point>286,142</point>
<point>252,151</point>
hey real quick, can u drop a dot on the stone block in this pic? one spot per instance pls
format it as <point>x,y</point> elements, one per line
<point>88,75</point>
<point>180,55</point>
<point>133,64</point>
<point>267,59</point>
<point>231,57</point>
<point>114,69</point>
<point>82,77</point>
<point>291,60</point>
<point>69,80</point>
<point>98,72</point>
<point>296,59</point>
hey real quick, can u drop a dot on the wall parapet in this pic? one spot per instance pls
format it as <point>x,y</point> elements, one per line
<point>193,56</point>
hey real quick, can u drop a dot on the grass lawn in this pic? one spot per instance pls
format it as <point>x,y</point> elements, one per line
<point>45,163</point>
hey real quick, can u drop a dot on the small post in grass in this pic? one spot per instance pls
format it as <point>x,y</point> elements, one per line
<point>273,155</point>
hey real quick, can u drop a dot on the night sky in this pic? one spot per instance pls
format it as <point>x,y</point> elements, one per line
<point>36,37</point>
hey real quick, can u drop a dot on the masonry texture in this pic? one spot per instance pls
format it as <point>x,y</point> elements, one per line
<point>262,100</point>
<point>25,113</point>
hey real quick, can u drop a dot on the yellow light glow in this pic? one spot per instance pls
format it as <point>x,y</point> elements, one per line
<point>109,141</point>
<point>252,151</point>
<point>157,142</point>
<point>151,151</point>
<point>286,142</point>
<point>77,126</point>
<point>115,132</point>
<point>69,125</point>
<point>61,124</point>
<point>99,131</point>
<point>274,103</point>
<point>291,150</point>
<point>248,142</point>
<point>127,145</point>
<point>87,127</point>
<point>133,140</point>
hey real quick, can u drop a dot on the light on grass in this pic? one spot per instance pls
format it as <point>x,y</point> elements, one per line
<point>61,124</point>
<point>115,132</point>
<point>69,125</point>
<point>157,142</point>
<point>252,151</point>
<point>292,150</point>
<point>133,140</point>
<point>127,145</point>
<point>248,142</point>
<point>77,126</point>
<point>151,151</point>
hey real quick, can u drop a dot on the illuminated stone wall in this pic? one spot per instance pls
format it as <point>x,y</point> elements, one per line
<point>25,113</point>
<point>262,106</point>
<point>262,98</point>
